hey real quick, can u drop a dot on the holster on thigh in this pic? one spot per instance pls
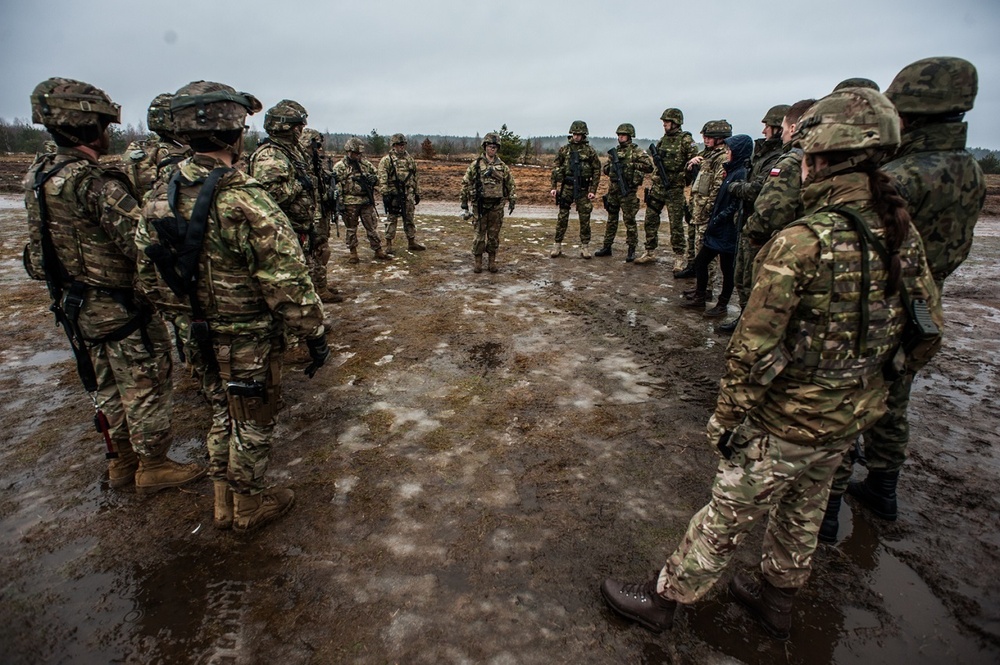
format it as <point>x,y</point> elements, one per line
<point>251,400</point>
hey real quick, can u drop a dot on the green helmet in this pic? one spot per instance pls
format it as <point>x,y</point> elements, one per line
<point>857,82</point>
<point>491,138</point>
<point>284,116</point>
<point>158,117</point>
<point>310,138</point>
<point>849,119</point>
<point>717,129</point>
<point>202,107</point>
<point>398,139</point>
<point>59,102</point>
<point>674,115</point>
<point>935,85</point>
<point>354,144</point>
<point>775,115</point>
<point>626,128</point>
<point>578,127</point>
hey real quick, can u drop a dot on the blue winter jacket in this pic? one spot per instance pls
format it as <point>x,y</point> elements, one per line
<point>720,235</point>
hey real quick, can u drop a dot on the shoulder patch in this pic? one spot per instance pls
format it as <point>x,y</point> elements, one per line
<point>775,171</point>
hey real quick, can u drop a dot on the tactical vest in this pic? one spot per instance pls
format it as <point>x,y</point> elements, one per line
<point>703,181</point>
<point>300,210</point>
<point>492,177</point>
<point>842,332</point>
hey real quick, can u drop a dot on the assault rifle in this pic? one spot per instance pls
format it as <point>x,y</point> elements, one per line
<point>327,193</point>
<point>395,203</point>
<point>368,187</point>
<point>618,170</point>
<point>661,169</point>
<point>574,175</point>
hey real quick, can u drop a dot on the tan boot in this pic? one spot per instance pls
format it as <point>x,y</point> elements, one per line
<point>160,473</point>
<point>556,250</point>
<point>647,257</point>
<point>223,518</point>
<point>253,511</point>
<point>388,246</point>
<point>585,251</point>
<point>381,255</point>
<point>353,258</point>
<point>121,470</point>
<point>413,245</point>
<point>478,267</point>
<point>493,262</point>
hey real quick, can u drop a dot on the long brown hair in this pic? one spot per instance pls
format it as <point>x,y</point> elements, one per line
<point>891,209</point>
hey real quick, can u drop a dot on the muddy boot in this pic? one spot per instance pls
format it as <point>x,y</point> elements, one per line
<point>556,250</point>
<point>640,602</point>
<point>478,267</point>
<point>877,493</point>
<point>388,247</point>
<point>330,295</point>
<point>253,511</point>
<point>690,293</point>
<point>493,262</point>
<point>381,255</point>
<point>160,473</point>
<point>679,263</point>
<point>121,470</point>
<point>729,326</point>
<point>413,245</point>
<point>603,251</point>
<point>831,520</point>
<point>721,309</point>
<point>769,604</point>
<point>585,251</point>
<point>696,301</point>
<point>687,273</point>
<point>223,518</point>
<point>630,257</point>
<point>649,256</point>
<point>353,258</point>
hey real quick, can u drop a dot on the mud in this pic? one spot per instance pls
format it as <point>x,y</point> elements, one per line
<point>481,451</point>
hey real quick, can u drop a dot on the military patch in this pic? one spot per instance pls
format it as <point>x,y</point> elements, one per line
<point>775,171</point>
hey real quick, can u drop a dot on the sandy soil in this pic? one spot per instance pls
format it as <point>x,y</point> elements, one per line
<point>480,452</point>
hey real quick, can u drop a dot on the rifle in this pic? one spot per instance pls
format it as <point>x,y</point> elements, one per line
<point>619,171</point>
<point>395,203</point>
<point>367,186</point>
<point>574,172</point>
<point>661,169</point>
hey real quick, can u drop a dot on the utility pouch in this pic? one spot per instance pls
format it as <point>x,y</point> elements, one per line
<point>247,389</point>
<point>73,303</point>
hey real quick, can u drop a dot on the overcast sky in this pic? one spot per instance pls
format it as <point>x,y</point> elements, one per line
<point>462,67</point>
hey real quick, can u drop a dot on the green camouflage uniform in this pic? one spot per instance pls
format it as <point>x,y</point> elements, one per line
<point>766,153</point>
<point>92,215</point>
<point>635,164</point>
<point>703,192</point>
<point>357,205</point>
<point>562,182</point>
<point>676,149</point>
<point>799,387</point>
<point>397,179</point>
<point>945,190</point>
<point>487,184</point>
<point>151,160</point>
<point>255,289</point>
<point>779,202</point>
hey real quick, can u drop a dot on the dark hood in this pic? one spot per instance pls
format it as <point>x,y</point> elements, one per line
<point>742,147</point>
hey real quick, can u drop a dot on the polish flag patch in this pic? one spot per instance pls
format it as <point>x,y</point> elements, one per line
<point>775,171</point>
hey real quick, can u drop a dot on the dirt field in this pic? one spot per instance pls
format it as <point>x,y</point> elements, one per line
<point>481,451</point>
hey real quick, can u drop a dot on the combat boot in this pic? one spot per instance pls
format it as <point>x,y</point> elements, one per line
<point>121,469</point>
<point>696,301</point>
<point>353,258</point>
<point>585,251</point>
<point>769,604</point>
<point>877,493</point>
<point>413,245</point>
<point>252,511</point>
<point>556,250</point>
<point>679,262</point>
<point>831,520</point>
<point>687,273</point>
<point>159,472</point>
<point>388,247</point>
<point>647,257</point>
<point>381,255</point>
<point>478,267</point>
<point>721,309</point>
<point>690,293</point>
<point>330,294</point>
<point>493,262</point>
<point>223,510</point>
<point>640,602</point>
<point>603,251</point>
<point>729,326</point>
<point>630,257</point>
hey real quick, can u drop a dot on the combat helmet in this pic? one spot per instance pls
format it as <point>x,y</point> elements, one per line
<point>717,129</point>
<point>158,116</point>
<point>775,115</point>
<point>857,82</point>
<point>849,120</point>
<point>935,86</point>
<point>398,139</point>
<point>310,137</point>
<point>354,144</point>
<point>578,127</point>
<point>284,116</point>
<point>60,102</point>
<point>626,128</point>
<point>203,107</point>
<point>674,115</point>
<point>491,138</point>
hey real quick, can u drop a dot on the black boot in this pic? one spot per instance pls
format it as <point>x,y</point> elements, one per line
<point>831,520</point>
<point>640,602</point>
<point>696,301</point>
<point>631,254</point>
<point>721,309</point>
<point>603,251</point>
<point>769,604</point>
<point>687,273</point>
<point>729,326</point>
<point>877,492</point>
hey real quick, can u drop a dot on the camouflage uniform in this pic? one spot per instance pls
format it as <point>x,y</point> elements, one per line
<point>350,174</point>
<point>562,181</point>
<point>154,158</point>
<point>779,202</point>
<point>703,192</point>
<point>488,184</point>
<point>676,148</point>
<point>635,164</point>
<point>400,189</point>
<point>321,169</point>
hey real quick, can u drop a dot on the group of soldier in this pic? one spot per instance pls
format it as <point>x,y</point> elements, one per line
<point>845,222</point>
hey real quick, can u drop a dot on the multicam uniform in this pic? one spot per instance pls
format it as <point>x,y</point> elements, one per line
<point>282,169</point>
<point>635,164</point>
<point>400,189</point>
<point>703,192</point>
<point>357,204</point>
<point>488,184</point>
<point>151,160</point>
<point>562,182</point>
<point>321,169</point>
<point>676,148</point>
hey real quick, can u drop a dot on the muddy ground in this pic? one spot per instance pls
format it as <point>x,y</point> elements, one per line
<point>480,452</point>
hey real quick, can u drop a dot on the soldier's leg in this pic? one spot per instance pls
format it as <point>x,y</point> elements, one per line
<point>692,233</point>
<point>121,470</point>
<point>651,225</point>
<point>493,236</point>
<point>630,208</point>
<point>562,223</point>
<point>675,216</point>
<point>584,208</point>
<point>352,213</point>
<point>613,206</point>
<point>410,227</point>
<point>370,221</point>
<point>390,226</point>
<point>213,389</point>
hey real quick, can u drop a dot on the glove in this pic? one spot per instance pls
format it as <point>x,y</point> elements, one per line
<point>510,208</point>
<point>416,199</point>
<point>318,353</point>
<point>718,437</point>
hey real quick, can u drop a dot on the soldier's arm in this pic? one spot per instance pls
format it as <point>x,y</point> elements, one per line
<point>276,175</point>
<point>383,176</point>
<point>777,204</point>
<point>467,185</point>
<point>509,185</point>
<point>644,162</point>
<point>109,201</point>
<point>414,180</point>
<point>595,168</point>
<point>923,286</point>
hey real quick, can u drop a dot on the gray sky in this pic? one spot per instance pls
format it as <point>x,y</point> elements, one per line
<point>462,67</point>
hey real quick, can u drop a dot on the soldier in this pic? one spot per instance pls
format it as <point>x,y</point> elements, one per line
<point>666,189</point>
<point>575,177</point>
<point>327,195</point>
<point>153,159</point>
<point>766,152</point>
<point>945,191</point>
<point>81,219</point>
<point>627,168</point>
<point>357,180</point>
<point>799,386</point>
<point>223,252</point>
<point>488,183</point>
<point>705,189</point>
<point>400,189</point>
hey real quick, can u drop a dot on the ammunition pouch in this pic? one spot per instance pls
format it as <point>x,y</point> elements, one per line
<point>395,203</point>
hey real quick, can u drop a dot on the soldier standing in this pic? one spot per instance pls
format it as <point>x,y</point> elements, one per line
<point>153,159</point>
<point>799,387</point>
<point>81,219</point>
<point>575,177</point>
<point>627,168</point>
<point>327,195</point>
<point>488,183</point>
<point>221,251</point>
<point>670,156</point>
<point>945,191</point>
<point>705,190</point>
<point>357,180</point>
<point>400,189</point>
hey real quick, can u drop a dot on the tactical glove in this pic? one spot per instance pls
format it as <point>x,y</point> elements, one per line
<point>318,353</point>
<point>416,199</point>
<point>718,437</point>
<point>510,208</point>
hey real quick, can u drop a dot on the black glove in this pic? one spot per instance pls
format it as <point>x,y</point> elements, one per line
<point>318,353</point>
<point>510,208</point>
<point>416,199</point>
